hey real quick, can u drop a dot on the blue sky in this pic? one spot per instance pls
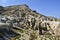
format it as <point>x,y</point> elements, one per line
<point>46,7</point>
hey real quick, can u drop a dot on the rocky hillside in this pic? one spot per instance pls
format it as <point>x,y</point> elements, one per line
<point>19,22</point>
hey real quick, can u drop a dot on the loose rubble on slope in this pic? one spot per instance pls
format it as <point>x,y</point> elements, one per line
<point>19,22</point>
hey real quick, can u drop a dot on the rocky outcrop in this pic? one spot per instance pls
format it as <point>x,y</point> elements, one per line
<point>20,20</point>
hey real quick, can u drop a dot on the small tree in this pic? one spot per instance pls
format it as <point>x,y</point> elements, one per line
<point>1,9</point>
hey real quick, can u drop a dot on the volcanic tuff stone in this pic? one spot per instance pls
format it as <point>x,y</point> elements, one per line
<point>20,20</point>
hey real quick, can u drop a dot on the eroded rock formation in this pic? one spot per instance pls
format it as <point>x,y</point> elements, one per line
<point>27,22</point>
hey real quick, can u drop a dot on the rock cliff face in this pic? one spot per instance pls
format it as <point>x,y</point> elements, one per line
<point>19,22</point>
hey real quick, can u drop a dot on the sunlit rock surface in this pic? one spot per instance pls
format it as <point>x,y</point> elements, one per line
<point>19,22</point>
